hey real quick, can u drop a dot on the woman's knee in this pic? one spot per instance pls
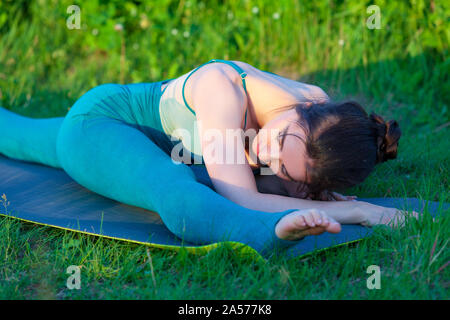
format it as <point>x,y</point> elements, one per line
<point>103,90</point>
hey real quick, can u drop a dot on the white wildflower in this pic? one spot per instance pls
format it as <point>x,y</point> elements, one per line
<point>174,31</point>
<point>118,27</point>
<point>186,34</point>
<point>276,16</point>
<point>95,32</point>
<point>255,10</point>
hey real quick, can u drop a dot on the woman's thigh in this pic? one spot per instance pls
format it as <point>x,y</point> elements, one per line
<point>116,160</point>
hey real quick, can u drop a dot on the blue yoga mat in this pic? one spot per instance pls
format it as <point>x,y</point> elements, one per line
<point>48,196</point>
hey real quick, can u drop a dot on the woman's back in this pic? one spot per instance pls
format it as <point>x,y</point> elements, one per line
<point>264,88</point>
<point>265,92</point>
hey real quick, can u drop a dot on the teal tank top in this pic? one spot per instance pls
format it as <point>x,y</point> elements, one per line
<point>179,121</point>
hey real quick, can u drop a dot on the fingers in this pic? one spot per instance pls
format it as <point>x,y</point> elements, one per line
<point>340,197</point>
<point>397,220</point>
<point>326,195</point>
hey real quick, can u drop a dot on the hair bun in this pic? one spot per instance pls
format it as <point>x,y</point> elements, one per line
<point>388,134</point>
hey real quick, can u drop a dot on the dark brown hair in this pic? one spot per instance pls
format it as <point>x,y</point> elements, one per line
<point>344,143</point>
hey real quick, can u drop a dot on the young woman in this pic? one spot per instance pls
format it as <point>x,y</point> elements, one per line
<point>119,141</point>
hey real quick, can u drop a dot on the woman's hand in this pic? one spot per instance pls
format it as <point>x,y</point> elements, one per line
<point>370,215</point>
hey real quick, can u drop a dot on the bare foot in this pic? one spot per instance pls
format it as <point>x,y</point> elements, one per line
<point>301,223</point>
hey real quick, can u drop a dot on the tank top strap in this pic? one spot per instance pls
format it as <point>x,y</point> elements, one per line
<point>242,73</point>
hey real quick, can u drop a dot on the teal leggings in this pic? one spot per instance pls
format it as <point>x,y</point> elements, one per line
<point>111,142</point>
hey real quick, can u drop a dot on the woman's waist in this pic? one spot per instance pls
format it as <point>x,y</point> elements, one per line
<point>135,103</point>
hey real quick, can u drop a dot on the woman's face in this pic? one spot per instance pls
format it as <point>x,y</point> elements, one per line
<point>279,145</point>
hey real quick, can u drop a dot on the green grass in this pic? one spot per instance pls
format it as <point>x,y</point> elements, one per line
<point>400,71</point>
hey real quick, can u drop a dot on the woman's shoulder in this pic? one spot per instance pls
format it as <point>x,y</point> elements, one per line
<point>281,86</point>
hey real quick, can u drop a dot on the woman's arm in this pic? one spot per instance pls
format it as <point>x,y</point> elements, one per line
<point>308,93</point>
<point>220,112</point>
<point>345,212</point>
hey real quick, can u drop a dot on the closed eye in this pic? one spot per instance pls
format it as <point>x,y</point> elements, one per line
<point>284,171</point>
<point>281,137</point>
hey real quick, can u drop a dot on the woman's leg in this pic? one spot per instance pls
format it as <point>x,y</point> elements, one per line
<point>118,161</point>
<point>29,139</point>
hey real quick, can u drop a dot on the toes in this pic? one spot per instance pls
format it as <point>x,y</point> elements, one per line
<point>325,219</point>
<point>308,222</point>
<point>320,218</point>
<point>316,216</point>
<point>334,226</point>
<point>300,222</point>
<point>309,218</point>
